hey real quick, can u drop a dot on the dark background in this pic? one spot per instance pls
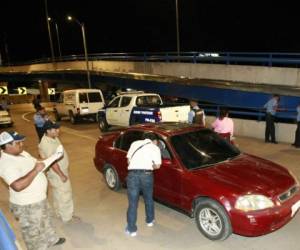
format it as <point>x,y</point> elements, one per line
<point>148,26</point>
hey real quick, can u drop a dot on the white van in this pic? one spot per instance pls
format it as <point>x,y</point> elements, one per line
<point>79,103</point>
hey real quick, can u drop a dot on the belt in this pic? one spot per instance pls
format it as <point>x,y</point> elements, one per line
<point>140,170</point>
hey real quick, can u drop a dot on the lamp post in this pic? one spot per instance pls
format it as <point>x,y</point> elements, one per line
<point>70,18</point>
<point>49,31</point>
<point>177,29</point>
<point>57,36</point>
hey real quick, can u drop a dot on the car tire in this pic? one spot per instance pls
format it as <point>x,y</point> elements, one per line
<point>57,116</point>
<point>111,178</point>
<point>102,124</point>
<point>72,117</point>
<point>212,220</point>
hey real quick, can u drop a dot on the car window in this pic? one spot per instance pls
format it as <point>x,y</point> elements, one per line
<point>114,103</point>
<point>165,153</point>
<point>202,148</point>
<point>149,100</point>
<point>83,98</point>
<point>94,97</point>
<point>125,101</point>
<point>125,140</point>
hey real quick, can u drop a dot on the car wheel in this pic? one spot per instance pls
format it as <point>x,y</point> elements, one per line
<point>111,178</point>
<point>212,220</point>
<point>103,126</point>
<point>72,117</point>
<point>57,116</point>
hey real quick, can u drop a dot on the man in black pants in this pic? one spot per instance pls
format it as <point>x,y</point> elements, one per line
<point>271,108</point>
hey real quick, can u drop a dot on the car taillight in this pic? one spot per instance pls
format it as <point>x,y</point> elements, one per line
<point>157,114</point>
<point>78,110</point>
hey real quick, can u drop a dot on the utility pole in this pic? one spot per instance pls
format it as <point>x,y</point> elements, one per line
<point>49,31</point>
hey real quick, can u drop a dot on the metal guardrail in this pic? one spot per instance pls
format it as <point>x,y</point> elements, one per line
<point>229,58</point>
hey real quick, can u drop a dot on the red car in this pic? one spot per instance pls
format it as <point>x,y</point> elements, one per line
<point>203,175</point>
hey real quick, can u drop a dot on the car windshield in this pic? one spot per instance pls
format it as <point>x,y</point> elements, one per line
<point>199,149</point>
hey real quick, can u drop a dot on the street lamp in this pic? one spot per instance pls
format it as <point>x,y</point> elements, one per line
<point>57,36</point>
<point>49,31</point>
<point>70,18</point>
<point>177,30</point>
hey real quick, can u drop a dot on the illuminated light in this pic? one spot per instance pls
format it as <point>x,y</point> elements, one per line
<point>69,18</point>
<point>49,19</point>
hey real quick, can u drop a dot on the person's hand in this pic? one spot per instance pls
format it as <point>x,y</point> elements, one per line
<point>63,178</point>
<point>39,166</point>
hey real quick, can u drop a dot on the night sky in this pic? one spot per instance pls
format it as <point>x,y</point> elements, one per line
<point>148,25</point>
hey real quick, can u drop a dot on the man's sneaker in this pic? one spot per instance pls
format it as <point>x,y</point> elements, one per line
<point>150,224</point>
<point>131,234</point>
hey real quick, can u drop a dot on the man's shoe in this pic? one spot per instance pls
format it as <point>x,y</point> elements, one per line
<point>60,241</point>
<point>274,142</point>
<point>131,234</point>
<point>293,144</point>
<point>150,224</point>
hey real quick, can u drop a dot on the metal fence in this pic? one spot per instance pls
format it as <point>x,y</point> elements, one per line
<point>229,58</point>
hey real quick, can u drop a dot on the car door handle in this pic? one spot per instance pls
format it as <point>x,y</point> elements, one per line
<point>127,110</point>
<point>115,110</point>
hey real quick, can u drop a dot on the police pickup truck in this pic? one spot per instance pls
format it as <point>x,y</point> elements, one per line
<point>130,108</point>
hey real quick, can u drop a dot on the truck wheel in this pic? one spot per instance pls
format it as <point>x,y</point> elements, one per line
<point>103,126</point>
<point>72,117</point>
<point>57,116</point>
<point>212,220</point>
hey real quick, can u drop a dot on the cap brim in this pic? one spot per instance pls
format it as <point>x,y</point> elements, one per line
<point>19,138</point>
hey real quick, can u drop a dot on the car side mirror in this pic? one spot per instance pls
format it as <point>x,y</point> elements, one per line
<point>167,162</point>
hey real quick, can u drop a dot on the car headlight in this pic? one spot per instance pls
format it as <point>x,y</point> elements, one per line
<point>253,202</point>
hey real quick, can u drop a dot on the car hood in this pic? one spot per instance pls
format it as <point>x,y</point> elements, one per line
<point>247,174</point>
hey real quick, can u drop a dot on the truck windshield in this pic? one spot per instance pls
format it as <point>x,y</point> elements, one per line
<point>199,149</point>
<point>149,100</point>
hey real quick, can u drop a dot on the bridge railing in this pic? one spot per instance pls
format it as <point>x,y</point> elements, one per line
<point>286,115</point>
<point>234,58</point>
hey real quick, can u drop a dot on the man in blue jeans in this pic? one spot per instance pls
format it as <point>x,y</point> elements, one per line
<point>143,157</point>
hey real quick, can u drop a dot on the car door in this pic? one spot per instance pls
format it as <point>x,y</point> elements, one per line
<point>122,145</point>
<point>168,178</point>
<point>96,102</point>
<point>112,111</point>
<point>125,110</point>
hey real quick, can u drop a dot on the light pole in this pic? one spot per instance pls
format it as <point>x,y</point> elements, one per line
<point>70,18</point>
<point>57,36</point>
<point>49,31</point>
<point>177,29</point>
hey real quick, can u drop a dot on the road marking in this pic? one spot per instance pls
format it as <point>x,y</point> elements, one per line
<point>24,116</point>
<point>75,132</point>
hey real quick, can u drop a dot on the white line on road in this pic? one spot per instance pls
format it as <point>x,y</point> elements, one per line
<point>24,116</point>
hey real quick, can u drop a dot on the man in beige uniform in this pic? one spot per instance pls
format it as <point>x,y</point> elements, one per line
<point>58,175</point>
<point>27,192</point>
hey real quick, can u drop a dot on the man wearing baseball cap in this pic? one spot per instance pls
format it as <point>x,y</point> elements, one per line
<point>27,192</point>
<point>58,175</point>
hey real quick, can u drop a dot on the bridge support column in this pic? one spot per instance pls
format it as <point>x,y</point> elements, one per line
<point>44,91</point>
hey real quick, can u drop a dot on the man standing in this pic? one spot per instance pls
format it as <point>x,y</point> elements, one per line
<point>58,175</point>
<point>297,134</point>
<point>143,157</point>
<point>196,114</point>
<point>27,192</point>
<point>40,117</point>
<point>271,108</point>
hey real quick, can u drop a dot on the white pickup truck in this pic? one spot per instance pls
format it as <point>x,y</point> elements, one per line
<point>138,107</point>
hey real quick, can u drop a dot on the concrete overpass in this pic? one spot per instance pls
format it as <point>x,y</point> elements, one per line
<point>259,79</point>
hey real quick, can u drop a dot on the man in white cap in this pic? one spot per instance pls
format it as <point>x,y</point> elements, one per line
<point>27,192</point>
<point>58,175</point>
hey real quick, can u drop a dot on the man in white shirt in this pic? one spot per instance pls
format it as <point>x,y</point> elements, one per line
<point>27,192</point>
<point>143,156</point>
<point>58,175</point>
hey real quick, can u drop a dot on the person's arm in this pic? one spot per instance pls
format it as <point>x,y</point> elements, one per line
<point>191,115</point>
<point>55,167</point>
<point>156,158</point>
<point>23,182</point>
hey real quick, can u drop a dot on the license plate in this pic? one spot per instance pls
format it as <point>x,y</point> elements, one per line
<point>295,208</point>
<point>85,110</point>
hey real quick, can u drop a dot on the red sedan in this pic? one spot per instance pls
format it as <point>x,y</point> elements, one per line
<point>203,175</point>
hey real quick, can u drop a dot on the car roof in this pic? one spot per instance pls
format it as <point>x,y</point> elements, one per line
<point>137,94</point>
<point>167,128</point>
<point>81,90</point>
